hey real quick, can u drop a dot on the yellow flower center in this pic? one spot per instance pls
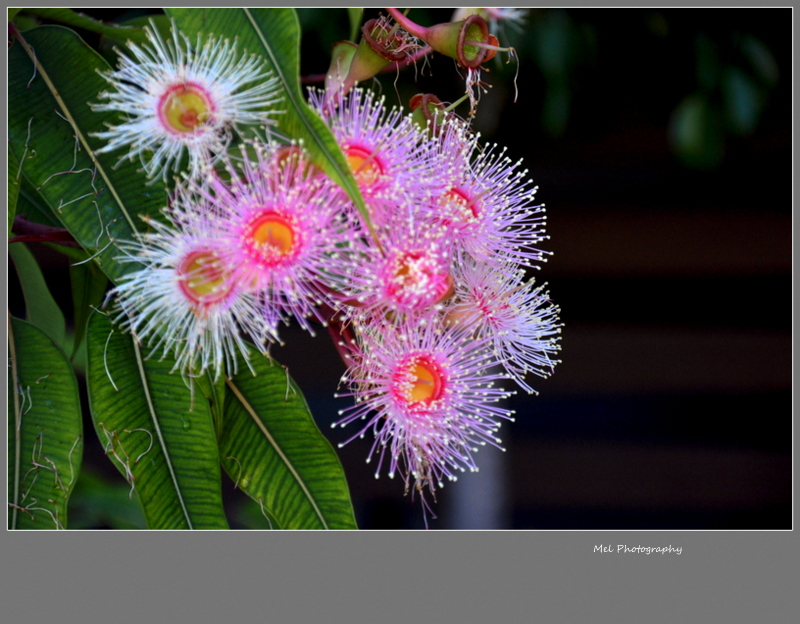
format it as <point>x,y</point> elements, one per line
<point>184,108</point>
<point>203,279</point>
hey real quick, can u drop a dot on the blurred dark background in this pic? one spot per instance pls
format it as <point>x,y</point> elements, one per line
<point>661,143</point>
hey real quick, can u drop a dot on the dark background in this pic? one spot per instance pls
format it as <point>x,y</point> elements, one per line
<point>671,408</point>
<point>661,143</point>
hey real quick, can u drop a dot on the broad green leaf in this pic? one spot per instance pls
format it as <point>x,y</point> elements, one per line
<point>274,34</point>
<point>214,391</point>
<point>45,430</point>
<point>272,449</point>
<point>40,308</point>
<point>50,129</point>
<point>12,13</point>
<point>158,433</point>
<point>78,20</point>
<point>31,204</point>
<point>24,22</point>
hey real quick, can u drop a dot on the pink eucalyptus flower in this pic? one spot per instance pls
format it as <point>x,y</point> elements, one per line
<point>488,201</point>
<point>285,229</point>
<point>429,397</point>
<point>492,302</point>
<point>390,157</point>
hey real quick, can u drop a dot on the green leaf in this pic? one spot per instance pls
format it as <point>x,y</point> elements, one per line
<point>88,290</point>
<point>40,307</point>
<point>275,453</point>
<point>695,132</point>
<point>45,430</point>
<point>50,129</point>
<point>214,391</point>
<point>31,204</point>
<point>24,22</point>
<point>274,35</point>
<point>356,15</point>
<point>13,188</point>
<point>97,503</point>
<point>743,100</point>
<point>12,13</point>
<point>158,433</point>
<point>111,45</point>
<point>78,20</point>
<point>761,59</point>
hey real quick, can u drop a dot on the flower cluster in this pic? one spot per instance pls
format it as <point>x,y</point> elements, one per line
<point>426,293</point>
<point>437,302</point>
<point>247,250</point>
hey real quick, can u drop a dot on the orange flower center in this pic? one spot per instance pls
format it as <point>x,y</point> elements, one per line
<point>271,238</point>
<point>365,166</point>
<point>428,384</point>
<point>420,381</point>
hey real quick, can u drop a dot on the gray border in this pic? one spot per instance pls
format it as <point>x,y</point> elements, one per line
<point>739,576</point>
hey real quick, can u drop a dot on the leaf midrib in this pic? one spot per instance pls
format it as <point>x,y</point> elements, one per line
<point>302,114</point>
<point>157,427</point>
<point>249,408</point>
<point>288,88</point>
<point>17,424</point>
<point>78,133</point>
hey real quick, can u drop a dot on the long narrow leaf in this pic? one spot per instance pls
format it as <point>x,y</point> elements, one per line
<point>159,434</point>
<point>52,79</point>
<point>45,430</point>
<point>78,20</point>
<point>356,15</point>
<point>88,289</point>
<point>275,453</point>
<point>13,188</point>
<point>274,34</point>
<point>40,307</point>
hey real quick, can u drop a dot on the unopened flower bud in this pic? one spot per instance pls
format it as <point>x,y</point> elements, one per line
<point>427,111</point>
<point>341,57</point>
<point>467,41</point>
